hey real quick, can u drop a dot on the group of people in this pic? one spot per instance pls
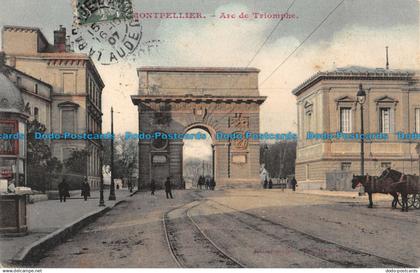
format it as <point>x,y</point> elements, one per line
<point>168,188</point>
<point>206,182</point>
<point>269,183</point>
<point>63,190</point>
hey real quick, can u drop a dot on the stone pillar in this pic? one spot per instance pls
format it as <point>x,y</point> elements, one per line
<point>175,162</point>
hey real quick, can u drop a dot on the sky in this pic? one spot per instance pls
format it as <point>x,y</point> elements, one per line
<point>355,34</point>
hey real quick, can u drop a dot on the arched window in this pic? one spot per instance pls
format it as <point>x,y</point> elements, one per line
<point>36,113</point>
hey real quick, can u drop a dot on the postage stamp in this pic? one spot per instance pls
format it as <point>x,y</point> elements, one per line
<point>93,11</point>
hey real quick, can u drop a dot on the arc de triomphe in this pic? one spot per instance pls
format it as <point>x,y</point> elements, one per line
<point>176,99</point>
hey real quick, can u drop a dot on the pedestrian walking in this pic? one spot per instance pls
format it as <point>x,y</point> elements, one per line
<point>207,183</point>
<point>212,184</point>
<point>200,182</point>
<point>270,184</point>
<point>85,189</point>
<point>293,182</point>
<point>265,183</point>
<point>130,186</point>
<point>168,188</point>
<point>63,190</point>
<point>152,187</point>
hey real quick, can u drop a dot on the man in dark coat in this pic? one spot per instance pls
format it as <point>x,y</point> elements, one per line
<point>85,189</point>
<point>293,182</point>
<point>212,183</point>
<point>270,184</point>
<point>168,189</point>
<point>265,183</point>
<point>63,190</point>
<point>152,186</point>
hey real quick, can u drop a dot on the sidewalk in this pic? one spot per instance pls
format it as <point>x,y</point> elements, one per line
<point>347,194</point>
<point>46,217</point>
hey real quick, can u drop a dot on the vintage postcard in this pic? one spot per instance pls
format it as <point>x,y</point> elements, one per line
<point>148,134</point>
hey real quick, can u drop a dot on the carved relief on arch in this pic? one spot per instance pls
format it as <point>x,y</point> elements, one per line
<point>239,121</point>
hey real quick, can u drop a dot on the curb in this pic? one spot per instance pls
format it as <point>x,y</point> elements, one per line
<point>33,252</point>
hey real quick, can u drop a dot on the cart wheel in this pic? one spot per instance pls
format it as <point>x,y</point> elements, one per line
<point>411,198</point>
<point>416,202</point>
<point>410,201</point>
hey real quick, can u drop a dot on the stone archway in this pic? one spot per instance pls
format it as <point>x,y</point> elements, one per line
<point>218,100</point>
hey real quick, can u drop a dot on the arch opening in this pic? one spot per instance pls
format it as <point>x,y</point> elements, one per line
<point>198,158</point>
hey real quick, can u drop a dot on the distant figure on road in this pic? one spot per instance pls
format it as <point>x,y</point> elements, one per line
<point>168,189</point>
<point>200,182</point>
<point>63,190</point>
<point>212,183</point>
<point>207,183</point>
<point>294,184</point>
<point>85,189</point>
<point>270,184</point>
<point>265,183</point>
<point>130,186</point>
<point>152,187</point>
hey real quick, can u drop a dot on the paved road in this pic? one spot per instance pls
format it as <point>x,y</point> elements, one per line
<point>256,228</point>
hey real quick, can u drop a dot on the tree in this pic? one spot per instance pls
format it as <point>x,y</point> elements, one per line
<point>77,162</point>
<point>125,156</point>
<point>43,168</point>
<point>281,157</point>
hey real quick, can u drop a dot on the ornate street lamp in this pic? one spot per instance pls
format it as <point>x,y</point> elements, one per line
<point>112,186</point>
<point>361,99</point>
<point>101,186</point>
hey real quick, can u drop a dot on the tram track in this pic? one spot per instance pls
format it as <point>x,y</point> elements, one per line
<point>307,243</point>
<point>190,247</point>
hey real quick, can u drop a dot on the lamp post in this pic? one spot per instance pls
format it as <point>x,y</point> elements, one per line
<point>101,186</point>
<point>361,99</point>
<point>112,186</point>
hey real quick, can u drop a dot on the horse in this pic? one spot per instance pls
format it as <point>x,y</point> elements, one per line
<point>403,183</point>
<point>371,185</point>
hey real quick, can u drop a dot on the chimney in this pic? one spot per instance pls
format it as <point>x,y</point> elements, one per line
<point>387,63</point>
<point>60,39</point>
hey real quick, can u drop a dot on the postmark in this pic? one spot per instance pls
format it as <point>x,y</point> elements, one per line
<point>93,11</point>
<point>112,42</point>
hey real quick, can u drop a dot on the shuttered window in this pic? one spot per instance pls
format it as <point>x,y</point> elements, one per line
<point>345,120</point>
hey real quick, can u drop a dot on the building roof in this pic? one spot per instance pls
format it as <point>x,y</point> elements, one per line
<point>11,100</point>
<point>26,29</point>
<point>197,69</point>
<point>355,73</point>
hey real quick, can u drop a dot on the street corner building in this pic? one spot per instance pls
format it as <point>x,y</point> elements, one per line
<point>13,121</point>
<point>327,103</point>
<point>60,89</point>
<point>178,99</point>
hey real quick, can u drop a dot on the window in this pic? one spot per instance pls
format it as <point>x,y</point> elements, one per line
<point>36,113</point>
<point>385,165</point>
<point>345,120</point>
<point>36,88</point>
<point>69,82</point>
<point>385,120</point>
<point>68,121</point>
<point>417,120</point>
<point>345,166</point>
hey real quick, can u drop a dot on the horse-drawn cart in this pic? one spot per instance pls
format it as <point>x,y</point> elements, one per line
<point>407,186</point>
<point>404,188</point>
